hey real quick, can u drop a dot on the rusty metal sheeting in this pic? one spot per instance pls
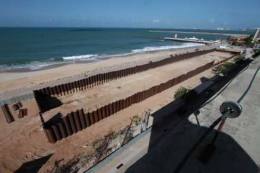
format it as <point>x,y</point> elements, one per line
<point>63,89</point>
<point>82,118</point>
<point>87,82</point>
<point>57,132</point>
<point>91,117</point>
<point>113,107</point>
<point>104,77</point>
<point>95,116</point>
<point>95,80</point>
<point>77,121</point>
<point>103,112</point>
<point>66,88</point>
<point>99,114</point>
<point>66,122</point>
<point>49,133</point>
<point>106,109</point>
<point>110,109</point>
<point>87,118</point>
<point>22,113</point>
<point>72,122</point>
<point>7,113</point>
<point>47,91</point>
<point>81,85</point>
<point>62,130</point>
<point>50,91</point>
<point>57,91</point>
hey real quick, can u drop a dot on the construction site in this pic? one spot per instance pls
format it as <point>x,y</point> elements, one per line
<point>67,123</point>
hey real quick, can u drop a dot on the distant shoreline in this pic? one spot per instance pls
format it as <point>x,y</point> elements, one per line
<point>208,33</point>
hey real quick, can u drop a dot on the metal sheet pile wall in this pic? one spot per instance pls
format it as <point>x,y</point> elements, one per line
<point>79,120</point>
<point>69,88</point>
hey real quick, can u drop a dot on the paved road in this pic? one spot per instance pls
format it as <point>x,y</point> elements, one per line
<point>245,129</point>
<point>163,149</point>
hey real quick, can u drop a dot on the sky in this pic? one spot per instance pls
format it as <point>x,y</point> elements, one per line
<point>202,14</point>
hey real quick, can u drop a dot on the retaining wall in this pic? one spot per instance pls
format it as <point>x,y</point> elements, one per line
<point>59,90</point>
<point>68,88</point>
<point>78,120</point>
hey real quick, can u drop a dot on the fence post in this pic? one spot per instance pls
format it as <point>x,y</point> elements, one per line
<point>91,117</point>
<point>77,121</point>
<point>103,112</point>
<point>99,113</point>
<point>114,107</point>
<point>72,123</point>
<point>62,130</point>
<point>50,135</point>
<point>110,109</point>
<point>56,132</point>
<point>95,115</point>
<point>87,118</point>
<point>67,125</point>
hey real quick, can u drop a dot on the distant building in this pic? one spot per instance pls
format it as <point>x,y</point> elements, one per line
<point>238,40</point>
<point>220,29</point>
<point>257,35</point>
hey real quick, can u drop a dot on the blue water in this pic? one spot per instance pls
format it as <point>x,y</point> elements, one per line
<point>38,47</point>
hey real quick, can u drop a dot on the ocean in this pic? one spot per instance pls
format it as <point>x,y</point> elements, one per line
<point>36,48</point>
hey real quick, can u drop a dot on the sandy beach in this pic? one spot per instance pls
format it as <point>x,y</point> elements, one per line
<point>29,142</point>
<point>120,89</point>
<point>18,83</point>
<point>116,83</point>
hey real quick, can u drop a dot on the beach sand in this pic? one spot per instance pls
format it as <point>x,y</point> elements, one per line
<point>119,89</point>
<point>24,139</point>
<point>18,83</point>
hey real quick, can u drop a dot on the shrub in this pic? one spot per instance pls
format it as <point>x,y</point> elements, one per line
<point>248,41</point>
<point>257,53</point>
<point>225,68</point>
<point>136,120</point>
<point>181,92</point>
<point>239,59</point>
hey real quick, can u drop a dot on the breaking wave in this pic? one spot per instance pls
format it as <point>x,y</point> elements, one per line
<point>38,65</point>
<point>151,49</point>
<point>79,57</point>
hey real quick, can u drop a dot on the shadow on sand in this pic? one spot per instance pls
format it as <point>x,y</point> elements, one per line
<point>173,137</point>
<point>34,165</point>
<point>46,102</point>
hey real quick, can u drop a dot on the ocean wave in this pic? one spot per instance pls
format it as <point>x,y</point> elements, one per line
<point>39,65</point>
<point>32,66</point>
<point>79,57</point>
<point>158,48</point>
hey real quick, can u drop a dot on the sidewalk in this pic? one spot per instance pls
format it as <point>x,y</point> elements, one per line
<point>237,148</point>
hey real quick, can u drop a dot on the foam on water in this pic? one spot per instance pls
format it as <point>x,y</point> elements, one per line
<point>37,65</point>
<point>151,49</point>
<point>79,57</point>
